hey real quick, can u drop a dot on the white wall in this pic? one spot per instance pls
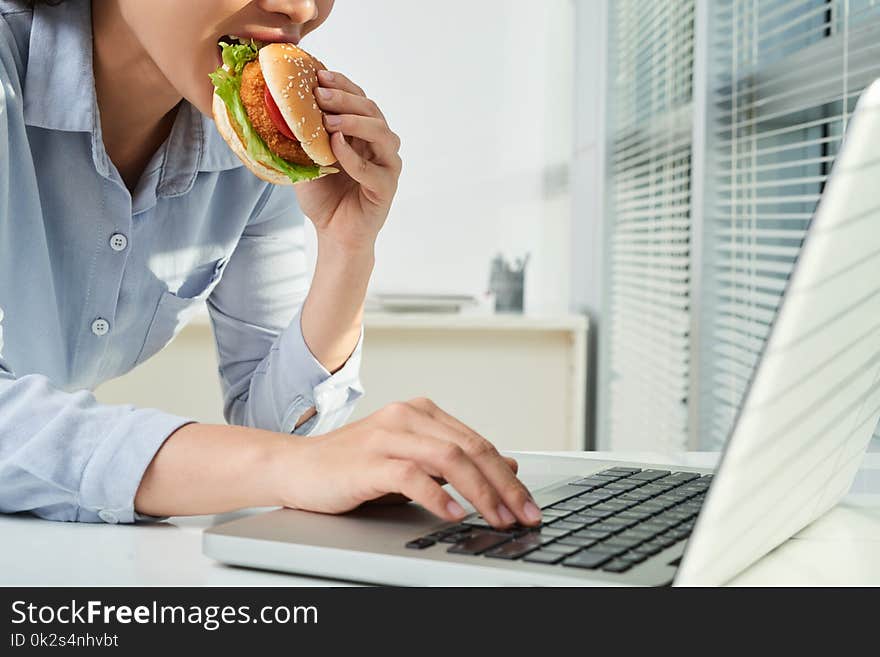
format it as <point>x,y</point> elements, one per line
<point>481,94</point>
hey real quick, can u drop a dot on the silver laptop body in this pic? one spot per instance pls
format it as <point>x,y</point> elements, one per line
<point>800,436</point>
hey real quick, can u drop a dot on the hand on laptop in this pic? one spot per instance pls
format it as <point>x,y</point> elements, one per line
<point>406,448</point>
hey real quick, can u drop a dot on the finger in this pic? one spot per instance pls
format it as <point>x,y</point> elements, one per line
<point>512,464</point>
<point>336,80</point>
<point>363,171</point>
<point>407,478</point>
<point>496,469</point>
<point>444,457</point>
<point>343,102</point>
<point>375,132</point>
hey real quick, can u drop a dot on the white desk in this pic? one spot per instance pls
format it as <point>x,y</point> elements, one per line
<point>841,548</point>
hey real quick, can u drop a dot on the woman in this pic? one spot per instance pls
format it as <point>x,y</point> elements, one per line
<point>121,209</point>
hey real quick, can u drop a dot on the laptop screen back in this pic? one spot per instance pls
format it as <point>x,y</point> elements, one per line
<point>814,400</point>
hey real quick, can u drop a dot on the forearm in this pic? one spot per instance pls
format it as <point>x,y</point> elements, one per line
<point>333,310</point>
<point>204,469</point>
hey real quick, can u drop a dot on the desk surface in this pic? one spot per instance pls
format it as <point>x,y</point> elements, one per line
<point>840,548</point>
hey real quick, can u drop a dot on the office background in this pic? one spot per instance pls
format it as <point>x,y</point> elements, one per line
<point>659,160</point>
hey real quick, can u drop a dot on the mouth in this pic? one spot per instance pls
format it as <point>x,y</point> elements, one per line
<point>257,38</point>
<point>232,39</point>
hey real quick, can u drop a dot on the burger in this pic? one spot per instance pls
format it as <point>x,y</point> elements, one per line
<point>265,109</point>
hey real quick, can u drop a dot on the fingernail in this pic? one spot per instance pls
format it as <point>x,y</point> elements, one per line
<point>531,511</point>
<point>332,120</point>
<point>324,94</point>
<point>327,76</point>
<point>505,514</point>
<point>455,509</point>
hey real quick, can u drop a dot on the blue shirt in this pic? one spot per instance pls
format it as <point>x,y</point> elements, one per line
<point>95,280</point>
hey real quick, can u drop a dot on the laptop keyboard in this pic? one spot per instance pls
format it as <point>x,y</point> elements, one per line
<point>613,520</point>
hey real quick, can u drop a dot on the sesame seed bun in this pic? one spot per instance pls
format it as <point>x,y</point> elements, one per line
<point>291,76</point>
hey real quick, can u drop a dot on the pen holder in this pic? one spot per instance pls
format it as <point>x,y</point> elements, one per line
<point>509,294</point>
<point>507,284</point>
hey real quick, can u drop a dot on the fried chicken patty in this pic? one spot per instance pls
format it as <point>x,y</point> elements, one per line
<point>253,88</point>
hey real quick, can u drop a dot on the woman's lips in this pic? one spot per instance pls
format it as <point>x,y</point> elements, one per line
<point>267,36</point>
<point>258,36</point>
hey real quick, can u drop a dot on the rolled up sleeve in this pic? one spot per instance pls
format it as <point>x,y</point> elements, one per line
<point>268,375</point>
<point>64,456</point>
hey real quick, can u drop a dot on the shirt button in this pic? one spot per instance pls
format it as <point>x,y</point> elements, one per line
<point>100,326</point>
<point>108,516</point>
<point>118,242</point>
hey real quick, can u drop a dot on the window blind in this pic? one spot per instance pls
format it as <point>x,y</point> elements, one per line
<point>646,352</point>
<point>789,73</point>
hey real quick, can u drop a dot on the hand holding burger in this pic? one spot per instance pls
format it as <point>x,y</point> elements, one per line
<point>292,121</point>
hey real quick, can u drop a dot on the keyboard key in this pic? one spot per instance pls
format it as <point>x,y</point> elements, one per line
<point>516,548</point>
<point>580,541</point>
<point>679,532</point>
<point>562,548</point>
<point>632,557</point>
<point>548,532</point>
<point>567,525</point>
<point>635,536</point>
<point>608,548</point>
<point>666,540</point>
<point>685,476</point>
<point>608,475</point>
<point>649,475</point>
<point>652,507</point>
<point>646,549</point>
<point>420,543</point>
<point>571,505</point>
<point>627,471</point>
<point>479,541</point>
<point>554,513</point>
<point>587,559</point>
<point>622,486</point>
<point>622,543</point>
<point>629,514</point>
<point>543,556</point>
<point>613,505</point>
<point>606,527</point>
<point>617,566</point>
<point>455,537</point>
<point>596,481</point>
<point>593,533</point>
<point>635,496</point>
<point>583,521</point>
<point>552,531</point>
<point>614,521</point>
<point>652,526</point>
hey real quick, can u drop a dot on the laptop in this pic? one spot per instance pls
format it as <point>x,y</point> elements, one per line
<point>798,440</point>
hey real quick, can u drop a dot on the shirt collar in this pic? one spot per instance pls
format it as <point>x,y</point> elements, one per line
<point>59,89</point>
<point>59,94</point>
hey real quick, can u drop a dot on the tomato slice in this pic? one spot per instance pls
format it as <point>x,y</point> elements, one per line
<point>275,115</point>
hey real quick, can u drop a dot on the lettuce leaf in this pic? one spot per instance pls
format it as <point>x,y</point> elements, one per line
<point>227,83</point>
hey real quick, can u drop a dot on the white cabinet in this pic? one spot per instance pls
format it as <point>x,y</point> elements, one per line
<point>520,381</point>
